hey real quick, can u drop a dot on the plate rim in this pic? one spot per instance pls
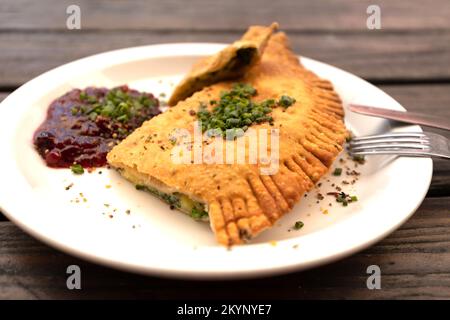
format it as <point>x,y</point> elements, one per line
<point>190,274</point>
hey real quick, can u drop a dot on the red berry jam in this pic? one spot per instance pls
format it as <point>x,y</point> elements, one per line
<point>82,126</point>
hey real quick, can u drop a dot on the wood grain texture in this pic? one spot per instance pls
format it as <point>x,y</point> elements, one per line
<point>433,99</point>
<point>414,262</point>
<point>376,56</point>
<point>408,58</point>
<point>209,15</point>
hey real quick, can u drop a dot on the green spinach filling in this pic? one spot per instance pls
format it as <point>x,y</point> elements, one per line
<point>179,201</point>
<point>243,58</point>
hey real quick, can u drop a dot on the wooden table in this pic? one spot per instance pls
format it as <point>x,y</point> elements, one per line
<point>409,58</point>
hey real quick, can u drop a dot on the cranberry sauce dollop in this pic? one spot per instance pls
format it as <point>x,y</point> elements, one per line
<point>82,126</point>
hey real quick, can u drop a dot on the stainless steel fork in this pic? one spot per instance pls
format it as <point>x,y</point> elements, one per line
<point>410,144</point>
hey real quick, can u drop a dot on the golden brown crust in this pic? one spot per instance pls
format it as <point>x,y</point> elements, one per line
<point>232,62</point>
<point>241,201</point>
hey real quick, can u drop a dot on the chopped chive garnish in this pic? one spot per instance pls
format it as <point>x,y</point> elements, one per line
<point>236,110</point>
<point>286,101</point>
<point>337,172</point>
<point>343,198</point>
<point>116,104</point>
<point>77,169</point>
<point>83,95</point>
<point>93,116</point>
<point>359,159</point>
<point>298,225</point>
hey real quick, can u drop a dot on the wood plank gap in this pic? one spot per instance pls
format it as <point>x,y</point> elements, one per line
<point>409,82</point>
<point>5,90</point>
<point>238,31</point>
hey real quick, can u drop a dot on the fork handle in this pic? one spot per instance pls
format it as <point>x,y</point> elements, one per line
<point>408,117</point>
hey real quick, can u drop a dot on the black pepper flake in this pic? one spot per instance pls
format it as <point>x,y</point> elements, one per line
<point>69,186</point>
<point>343,198</point>
<point>353,173</point>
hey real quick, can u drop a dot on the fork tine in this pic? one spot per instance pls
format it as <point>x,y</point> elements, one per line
<point>389,139</point>
<point>412,153</point>
<point>410,144</point>
<point>392,135</point>
<point>392,146</point>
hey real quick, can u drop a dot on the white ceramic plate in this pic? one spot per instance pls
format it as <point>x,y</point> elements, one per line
<point>155,240</point>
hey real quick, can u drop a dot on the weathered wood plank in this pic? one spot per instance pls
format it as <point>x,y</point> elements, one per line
<point>374,56</point>
<point>432,99</point>
<point>3,95</point>
<point>414,262</point>
<point>224,15</point>
<point>413,45</point>
<point>440,184</point>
